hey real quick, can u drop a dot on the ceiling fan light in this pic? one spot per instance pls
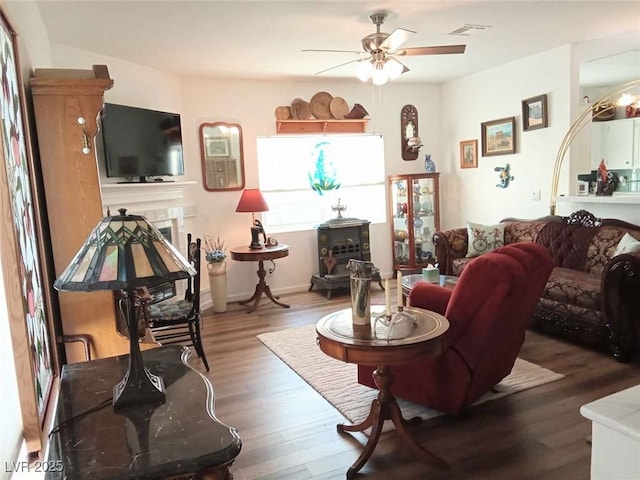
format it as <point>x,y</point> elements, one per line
<point>364,71</point>
<point>379,77</point>
<point>393,68</point>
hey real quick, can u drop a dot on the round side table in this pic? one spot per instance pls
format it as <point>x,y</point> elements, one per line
<point>372,345</point>
<point>246,254</point>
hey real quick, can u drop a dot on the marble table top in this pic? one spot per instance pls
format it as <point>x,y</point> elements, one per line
<point>177,437</point>
<point>619,411</point>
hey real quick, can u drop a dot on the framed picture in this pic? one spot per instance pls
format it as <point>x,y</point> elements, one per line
<point>217,147</point>
<point>469,154</point>
<point>499,137</point>
<point>534,113</point>
<point>24,273</point>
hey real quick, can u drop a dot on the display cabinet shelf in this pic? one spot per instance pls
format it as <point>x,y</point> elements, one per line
<point>415,214</point>
<point>321,126</point>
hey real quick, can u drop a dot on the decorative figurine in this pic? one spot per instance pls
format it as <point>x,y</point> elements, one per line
<point>429,165</point>
<point>505,176</point>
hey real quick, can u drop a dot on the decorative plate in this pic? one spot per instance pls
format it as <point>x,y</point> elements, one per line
<point>320,105</point>
<point>300,109</point>
<point>338,107</point>
<point>283,113</point>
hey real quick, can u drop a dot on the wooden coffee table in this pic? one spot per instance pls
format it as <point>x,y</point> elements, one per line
<point>409,281</point>
<point>364,345</point>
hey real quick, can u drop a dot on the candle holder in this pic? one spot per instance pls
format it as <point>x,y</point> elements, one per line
<point>390,321</point>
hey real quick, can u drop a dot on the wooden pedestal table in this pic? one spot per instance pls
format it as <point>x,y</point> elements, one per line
<point>246,254</point>
<point>372,345</point>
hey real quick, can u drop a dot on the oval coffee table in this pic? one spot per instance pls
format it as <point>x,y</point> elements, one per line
<point>366,345</point>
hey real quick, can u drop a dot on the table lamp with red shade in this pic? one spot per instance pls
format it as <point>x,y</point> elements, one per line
<point>253,201</point>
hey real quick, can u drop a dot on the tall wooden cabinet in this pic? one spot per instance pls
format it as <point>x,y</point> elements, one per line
<point>415,214</point>
<point>71,186</point>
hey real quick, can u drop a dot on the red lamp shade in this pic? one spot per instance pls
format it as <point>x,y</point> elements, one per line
<point>252,201</point>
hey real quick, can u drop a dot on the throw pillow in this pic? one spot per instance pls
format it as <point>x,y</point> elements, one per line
<point>484,238</point>
<point>627,244</point>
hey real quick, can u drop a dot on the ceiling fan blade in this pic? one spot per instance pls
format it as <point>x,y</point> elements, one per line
<point>341,65</point>
<point>438,50</point>
<point>397,38</point>
<point>332,51</point>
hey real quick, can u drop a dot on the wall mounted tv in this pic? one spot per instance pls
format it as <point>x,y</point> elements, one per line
<point>140,143</point>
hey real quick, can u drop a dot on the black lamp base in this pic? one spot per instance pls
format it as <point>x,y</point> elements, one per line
<point>139,385</point>
<point>255,238</point>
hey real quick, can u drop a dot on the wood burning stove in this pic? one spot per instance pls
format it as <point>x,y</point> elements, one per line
<point>339,240</point>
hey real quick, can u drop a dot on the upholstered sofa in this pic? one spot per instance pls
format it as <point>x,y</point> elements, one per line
<point>592,295</point>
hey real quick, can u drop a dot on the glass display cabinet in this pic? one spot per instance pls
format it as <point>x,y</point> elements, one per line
<point>415,213</point>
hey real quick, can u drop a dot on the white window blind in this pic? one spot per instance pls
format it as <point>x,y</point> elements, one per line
<point>286,162</point>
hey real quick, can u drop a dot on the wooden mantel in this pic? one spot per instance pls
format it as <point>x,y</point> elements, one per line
<point>321,126</point>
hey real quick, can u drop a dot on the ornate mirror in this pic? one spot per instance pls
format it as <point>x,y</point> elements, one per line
<point>222,156</point>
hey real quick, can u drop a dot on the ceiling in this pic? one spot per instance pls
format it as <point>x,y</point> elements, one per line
<point>265,39</point>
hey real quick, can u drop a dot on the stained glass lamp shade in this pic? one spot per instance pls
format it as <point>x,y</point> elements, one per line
<point>124,252</point>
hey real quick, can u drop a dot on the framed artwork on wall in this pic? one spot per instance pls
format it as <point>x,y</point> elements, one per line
<point>217,147</point>
<point>27,292</point>
<point>499,137</point>
<point>534,113</point>
<point>469,154</point>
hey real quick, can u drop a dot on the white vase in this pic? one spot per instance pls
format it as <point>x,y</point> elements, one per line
<point>218,285</point>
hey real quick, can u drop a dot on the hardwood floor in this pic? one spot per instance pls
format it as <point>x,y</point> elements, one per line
<point>289,431</point>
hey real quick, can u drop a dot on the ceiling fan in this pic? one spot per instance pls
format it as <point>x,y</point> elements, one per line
<point>383,48</point>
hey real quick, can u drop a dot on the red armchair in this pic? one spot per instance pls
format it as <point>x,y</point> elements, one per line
<point>489,310</point>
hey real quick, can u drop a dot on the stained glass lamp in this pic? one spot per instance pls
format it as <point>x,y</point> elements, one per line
<point>125,252</point>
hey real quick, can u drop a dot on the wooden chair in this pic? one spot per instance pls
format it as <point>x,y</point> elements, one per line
<point>178,321</point>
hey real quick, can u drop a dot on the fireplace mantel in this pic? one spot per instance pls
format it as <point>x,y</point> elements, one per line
<point>116,194</point>
<point>162,203</point>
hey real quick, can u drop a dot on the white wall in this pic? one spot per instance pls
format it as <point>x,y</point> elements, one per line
<point>207,100</point>
<point>471,194</point>
<point>34,50</point>
<point>201,100</point>
<point>447,115</point>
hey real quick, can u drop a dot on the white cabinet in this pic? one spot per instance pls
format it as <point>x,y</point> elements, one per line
<point>615,449</point>
<point>617,142</point>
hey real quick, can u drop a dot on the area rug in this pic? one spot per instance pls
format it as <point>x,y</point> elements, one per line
<point>337,382</point>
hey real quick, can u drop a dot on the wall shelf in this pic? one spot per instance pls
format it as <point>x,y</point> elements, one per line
<point>321,126</point>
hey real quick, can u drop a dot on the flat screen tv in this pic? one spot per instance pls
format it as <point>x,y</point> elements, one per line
<point>140,143</point>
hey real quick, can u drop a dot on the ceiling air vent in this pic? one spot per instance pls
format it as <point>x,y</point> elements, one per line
<point>468,28</point>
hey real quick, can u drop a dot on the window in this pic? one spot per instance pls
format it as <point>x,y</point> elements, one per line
<point>348,168</point>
